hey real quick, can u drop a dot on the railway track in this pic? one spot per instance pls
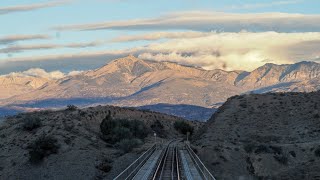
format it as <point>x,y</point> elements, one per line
<point>171,162</point>
<point>169,166</point>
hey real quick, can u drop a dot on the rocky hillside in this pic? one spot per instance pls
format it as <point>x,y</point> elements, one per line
<point>189,112</point>
<point>70,145</point>
<point>133,82</point>
<point>17,84</point>
<point>272,136</point>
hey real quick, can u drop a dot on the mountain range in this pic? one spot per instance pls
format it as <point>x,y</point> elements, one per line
<point>134,82</point>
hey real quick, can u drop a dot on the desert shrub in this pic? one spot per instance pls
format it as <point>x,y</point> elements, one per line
<point>262,149</point>
<point>317,152</point>
<point>31,123</point>
<point>126,145</point>
<point>105,165</point>
<point>276,149</point>
<point>72,107</point>
<point>183,127</point>
<point>281,159</point>
<point>82,113</point>
<point>249,148</point>
<point>107,125</point>
<point>157,127</point>
<point>115,130</point>
<point>250,166</point>
<point>292,153</point>
<point>138,129</point>
<point>119,133</point>
<point>243,105</point>
<point>42,147</point>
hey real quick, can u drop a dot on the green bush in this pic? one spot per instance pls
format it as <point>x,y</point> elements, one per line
<point>119,133</point>
<point>138,129</point>
<point>105,165</point>
<point>31,123</point>
<point>157,127</point>
<point>42,147</point>
<point>249,147</point>
<point>72,107</point>
<point>317,152</point>
<point>126,145</point>
<point>262,149</point>
<point>183,127</point>
<point>281,159</point>
<point>115,130</point>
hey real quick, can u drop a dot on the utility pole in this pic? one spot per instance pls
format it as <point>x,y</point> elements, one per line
<point>155,138</point>
<point>188,133</point>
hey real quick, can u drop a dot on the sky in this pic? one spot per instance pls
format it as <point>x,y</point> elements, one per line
<point>75,35</point>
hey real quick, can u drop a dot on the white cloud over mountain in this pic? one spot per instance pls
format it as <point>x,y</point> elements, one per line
<point>230,51</point>
<point>37,72</point>
<point>244,50</point>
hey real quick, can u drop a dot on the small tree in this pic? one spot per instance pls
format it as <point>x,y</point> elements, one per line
<point>31,123</point>
<point>139,129</point>
<point>158,128</point>
<point>317,152</point>
<point>115,130</point>
<point>72,107</point>
<point>183,127</point>
<point>42,147</point>
<point>126,145</point>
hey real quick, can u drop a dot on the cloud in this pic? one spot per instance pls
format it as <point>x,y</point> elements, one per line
<point>84,45</point>
<point>37,72</point>
<point>30,7</point>
<point>21,37</point>
<point>160,35</point>
<point>74,73</point>
<point>21,48</point>
<point>232,51</point>
<point>72,56</point>
<point>229,51</point>
<point>211,21</point>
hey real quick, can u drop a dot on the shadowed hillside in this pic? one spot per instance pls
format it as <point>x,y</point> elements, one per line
<point>75,144</point>
<point>264,136</point>
<point>189,112</point>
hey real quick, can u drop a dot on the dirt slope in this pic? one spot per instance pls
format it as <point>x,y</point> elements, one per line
<point>82,154</point>
<point>272,136</point>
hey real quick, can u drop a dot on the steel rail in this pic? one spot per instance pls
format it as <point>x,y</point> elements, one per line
<point>133,167</point>
<point>158,172</point>
<point>200,166</point>
<point>177,163</point>
<point>164,163</point>
<point>173,164</point>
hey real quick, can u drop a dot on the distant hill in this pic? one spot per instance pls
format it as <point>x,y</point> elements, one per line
<point>268,136</point>
<point>133,82</point>
<point>182,110</point>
